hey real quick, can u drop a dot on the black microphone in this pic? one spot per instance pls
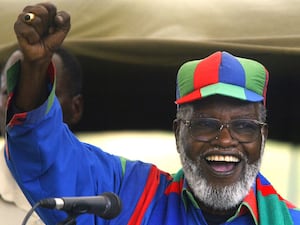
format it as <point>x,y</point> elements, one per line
<point>108,205</point>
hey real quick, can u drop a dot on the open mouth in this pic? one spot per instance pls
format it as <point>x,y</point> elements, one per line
<point>222,164</point>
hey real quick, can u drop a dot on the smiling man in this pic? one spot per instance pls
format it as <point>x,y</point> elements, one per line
<point>220,133</point>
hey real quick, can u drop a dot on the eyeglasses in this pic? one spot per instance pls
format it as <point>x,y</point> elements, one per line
<point>206,129</point>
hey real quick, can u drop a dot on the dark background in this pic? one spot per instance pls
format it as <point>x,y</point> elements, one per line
<point>128,96</point>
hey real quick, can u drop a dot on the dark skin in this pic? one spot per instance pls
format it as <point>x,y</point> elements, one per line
<point>224,109</point>
<point>38,41</point>
<point>72,106</point>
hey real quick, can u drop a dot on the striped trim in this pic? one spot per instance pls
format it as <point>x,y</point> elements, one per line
<point>174,187</point>
<point>17,119</point>
<point>146,197</point>
<point>123,164</point>
<point>272,208</point>
<point>267,190</point>
<point>250,204</point>
<point>52,77</point>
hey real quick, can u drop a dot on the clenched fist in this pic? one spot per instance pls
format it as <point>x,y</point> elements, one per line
<point>40,29</point>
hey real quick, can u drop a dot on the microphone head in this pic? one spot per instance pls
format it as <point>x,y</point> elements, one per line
<point>107,205</point>
<point>115,206</point>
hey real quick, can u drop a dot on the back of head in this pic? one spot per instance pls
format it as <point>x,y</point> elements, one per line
<point>72,68</point>
<point>68,85</point>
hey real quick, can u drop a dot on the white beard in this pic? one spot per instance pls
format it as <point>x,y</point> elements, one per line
<point>218,198</point>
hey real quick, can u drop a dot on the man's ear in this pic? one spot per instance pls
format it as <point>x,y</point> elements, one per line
<point>176,132</point>
<point>77,108</point>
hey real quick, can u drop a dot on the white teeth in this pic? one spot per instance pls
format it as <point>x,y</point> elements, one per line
<point>222,158</point>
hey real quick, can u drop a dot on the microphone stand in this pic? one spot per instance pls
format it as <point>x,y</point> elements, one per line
<point>71,220</point>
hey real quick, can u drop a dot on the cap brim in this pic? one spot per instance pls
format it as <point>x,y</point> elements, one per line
<point>221,89</point>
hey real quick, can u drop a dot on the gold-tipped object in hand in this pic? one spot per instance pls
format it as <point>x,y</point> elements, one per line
<point>29,17</point>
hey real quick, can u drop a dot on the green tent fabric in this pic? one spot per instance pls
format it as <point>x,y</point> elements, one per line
<point>131,50</point>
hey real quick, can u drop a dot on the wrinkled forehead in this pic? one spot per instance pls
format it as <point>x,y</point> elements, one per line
<point>221,100</point>
<point>216,104</point>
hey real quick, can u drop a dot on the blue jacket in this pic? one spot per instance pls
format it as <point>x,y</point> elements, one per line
<point>47,160</point>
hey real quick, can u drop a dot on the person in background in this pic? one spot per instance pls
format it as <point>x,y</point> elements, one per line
<point>220,131</point>
<point>13,204</point>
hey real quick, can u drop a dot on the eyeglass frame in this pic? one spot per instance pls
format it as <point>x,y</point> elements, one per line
<point>188,124</point>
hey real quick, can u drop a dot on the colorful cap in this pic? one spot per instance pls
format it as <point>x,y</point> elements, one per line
<point>224,74</point>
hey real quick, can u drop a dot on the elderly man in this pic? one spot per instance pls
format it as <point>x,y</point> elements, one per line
<point>220,133</point>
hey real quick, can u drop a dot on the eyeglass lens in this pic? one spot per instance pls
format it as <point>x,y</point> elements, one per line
<point>206,129</point>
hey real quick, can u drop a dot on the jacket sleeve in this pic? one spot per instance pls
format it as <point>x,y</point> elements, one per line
<point>47,160</point>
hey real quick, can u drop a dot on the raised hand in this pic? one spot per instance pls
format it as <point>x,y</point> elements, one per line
<point>40,29</point>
